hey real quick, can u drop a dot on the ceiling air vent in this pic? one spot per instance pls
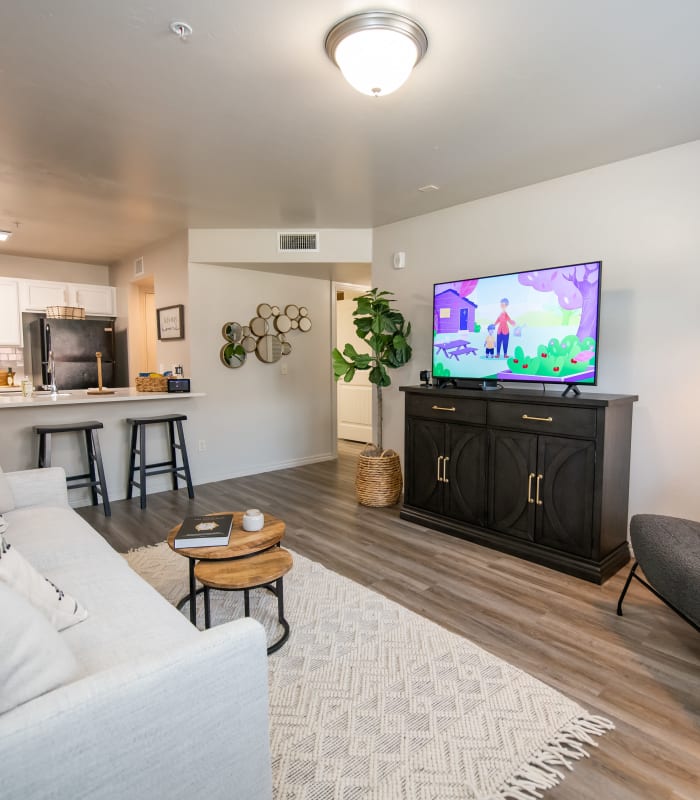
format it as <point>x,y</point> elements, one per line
<point>297,242</point>
<point>138,266</point>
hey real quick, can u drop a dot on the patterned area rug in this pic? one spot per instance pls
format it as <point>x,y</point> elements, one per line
<point>369,701</point>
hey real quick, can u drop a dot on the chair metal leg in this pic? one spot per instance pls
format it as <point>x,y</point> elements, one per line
<point>173,452</point>
<point>246,602</point>
<point>44,450</point>
<point>626,587</point>
<point>101,475</point>
<point>132,463</point>
<point>185,460</point>
<point>142,464</point>
<point>90,446</point>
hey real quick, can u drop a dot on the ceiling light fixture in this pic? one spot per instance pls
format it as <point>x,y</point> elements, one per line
<point>5,235</point>
<point>376,50</point>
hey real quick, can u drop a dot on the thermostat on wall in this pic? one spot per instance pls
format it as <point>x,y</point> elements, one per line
<point>399,260</point>
<point>179,385</point>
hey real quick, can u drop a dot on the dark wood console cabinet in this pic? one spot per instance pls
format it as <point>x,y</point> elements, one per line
<point>536,475</point>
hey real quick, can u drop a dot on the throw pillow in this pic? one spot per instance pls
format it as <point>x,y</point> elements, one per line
<point>34,659</point>
<point>59,608</point>
<point>7,500</point>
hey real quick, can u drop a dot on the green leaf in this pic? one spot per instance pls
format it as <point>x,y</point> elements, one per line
<point>350,374</point>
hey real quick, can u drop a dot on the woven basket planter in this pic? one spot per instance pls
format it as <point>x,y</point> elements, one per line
<point>378,481</point>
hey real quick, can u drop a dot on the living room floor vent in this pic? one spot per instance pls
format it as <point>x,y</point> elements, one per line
<point>297,242</point>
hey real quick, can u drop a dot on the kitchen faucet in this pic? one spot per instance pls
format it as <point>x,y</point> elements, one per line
<point>52,372</point>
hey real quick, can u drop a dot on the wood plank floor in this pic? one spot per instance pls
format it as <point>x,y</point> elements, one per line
<point>642,671</point>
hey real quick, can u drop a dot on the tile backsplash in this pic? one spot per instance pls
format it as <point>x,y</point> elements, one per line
<point>12,357</point>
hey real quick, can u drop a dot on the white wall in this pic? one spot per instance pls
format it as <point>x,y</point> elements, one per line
<point>641,217</point>
<point>46,269</point>
<point>255,418</point>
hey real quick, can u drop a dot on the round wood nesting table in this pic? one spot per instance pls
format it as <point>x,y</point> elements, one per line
<point>262,570</point>
<point>241,544</point>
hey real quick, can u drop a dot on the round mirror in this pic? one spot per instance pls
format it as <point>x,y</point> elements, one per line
<point>233,355</point>
<point>286,348</point>
<point>269,349</point>
<point>245,331</point>
<point>303,312</point>
<point>292,311</point>
<point>275,311</point>
<point>232,331</point>
<point>283,323</point>
<point>258,326</point>
<point>264,310</point>
<point>304,324</point>
<point>249,343</point>
<point>295,324</point>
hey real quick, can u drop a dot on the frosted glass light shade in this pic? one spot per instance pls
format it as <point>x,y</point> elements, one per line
<point>376,50</point>
<point>376,62</point>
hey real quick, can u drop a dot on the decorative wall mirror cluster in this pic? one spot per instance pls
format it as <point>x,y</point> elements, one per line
<point>265,335</point>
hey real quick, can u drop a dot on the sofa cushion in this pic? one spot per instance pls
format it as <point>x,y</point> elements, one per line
<point>7,500</point>
<point>34,659</point>
<point>128,618</point>
<point>59,608</point>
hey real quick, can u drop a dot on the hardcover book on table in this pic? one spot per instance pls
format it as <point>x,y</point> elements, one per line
<point>206,531</point>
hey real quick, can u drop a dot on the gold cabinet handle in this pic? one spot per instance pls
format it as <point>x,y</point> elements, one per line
<point>445,479</point>
<point>529,487</point>
<point>439,474</point>
<point>538,501</point>
<point>444,408</point>
<point>535,419</point>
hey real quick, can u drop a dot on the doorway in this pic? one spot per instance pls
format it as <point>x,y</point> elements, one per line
<point>354,399</point>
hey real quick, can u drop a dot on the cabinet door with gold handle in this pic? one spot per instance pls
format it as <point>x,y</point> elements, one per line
<point>445,479</point>
<point>537,419</point>
<point>530,499</point>
<point>439,470</point>
<point>537,490</point>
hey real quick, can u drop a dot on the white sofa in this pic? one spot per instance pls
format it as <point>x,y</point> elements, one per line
<point>160,710</point>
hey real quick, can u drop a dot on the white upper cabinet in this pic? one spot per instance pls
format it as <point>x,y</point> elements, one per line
<point>10,316</point>
<point>97,300</point>
<point>36,295</point>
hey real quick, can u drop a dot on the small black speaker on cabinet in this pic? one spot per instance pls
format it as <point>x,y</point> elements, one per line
<point>425,377</point>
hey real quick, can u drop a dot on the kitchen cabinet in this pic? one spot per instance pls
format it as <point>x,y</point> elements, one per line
<point>10,316</point>
<point>540,476</point>
<point>97,300</point>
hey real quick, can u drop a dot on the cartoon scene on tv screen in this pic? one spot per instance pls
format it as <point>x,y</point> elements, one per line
<point>528,326</point>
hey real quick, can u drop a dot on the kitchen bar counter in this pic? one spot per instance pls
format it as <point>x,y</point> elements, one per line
<point>11,399</point>
<point>19,443</point>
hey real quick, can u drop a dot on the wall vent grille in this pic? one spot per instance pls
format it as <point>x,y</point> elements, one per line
<point>138,267</point>
<point>297,242</point>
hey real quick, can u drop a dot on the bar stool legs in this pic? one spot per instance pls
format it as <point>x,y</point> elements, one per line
<point>94,478</point>
<point>176,441</point>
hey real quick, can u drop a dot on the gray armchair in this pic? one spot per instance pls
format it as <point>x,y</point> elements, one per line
<point>668,551</point>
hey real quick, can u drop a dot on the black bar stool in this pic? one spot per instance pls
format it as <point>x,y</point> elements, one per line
<point>95,474</point>
<point>138,447</point>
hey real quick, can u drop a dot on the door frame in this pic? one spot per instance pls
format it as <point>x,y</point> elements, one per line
<point>335,287</point>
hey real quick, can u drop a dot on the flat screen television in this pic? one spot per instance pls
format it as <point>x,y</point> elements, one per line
<point>532,326</point>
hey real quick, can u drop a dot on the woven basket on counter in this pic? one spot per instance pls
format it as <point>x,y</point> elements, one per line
<point>65,312</point>
<point>153,383</point>
<point>378,481</point>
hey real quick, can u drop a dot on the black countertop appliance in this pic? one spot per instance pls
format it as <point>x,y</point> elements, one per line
<point>73,343</point>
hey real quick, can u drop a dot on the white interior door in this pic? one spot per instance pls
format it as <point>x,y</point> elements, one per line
<point>354,398</point>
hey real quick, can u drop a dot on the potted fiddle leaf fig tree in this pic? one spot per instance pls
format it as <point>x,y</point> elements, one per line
<point>385,331</point>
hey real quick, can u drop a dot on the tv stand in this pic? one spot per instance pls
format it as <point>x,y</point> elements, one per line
<point>535,475</point>
<point>572,387</point>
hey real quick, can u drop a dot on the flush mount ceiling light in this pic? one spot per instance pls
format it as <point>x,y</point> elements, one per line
<point>376,50</point>
<point>5,235</point>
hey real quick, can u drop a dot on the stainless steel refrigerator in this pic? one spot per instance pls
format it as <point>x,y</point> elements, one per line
<point>74,343</point>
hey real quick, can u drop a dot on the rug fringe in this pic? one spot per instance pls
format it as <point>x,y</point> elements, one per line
<point>541,773</point>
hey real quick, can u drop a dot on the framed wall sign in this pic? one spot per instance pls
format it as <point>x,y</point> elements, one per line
<point>171,322</point>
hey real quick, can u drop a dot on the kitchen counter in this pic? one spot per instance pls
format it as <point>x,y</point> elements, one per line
<point>10,399</point>
<point>19,415</point>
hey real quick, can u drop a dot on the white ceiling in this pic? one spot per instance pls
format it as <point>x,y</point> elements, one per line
<point>114,133</point>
